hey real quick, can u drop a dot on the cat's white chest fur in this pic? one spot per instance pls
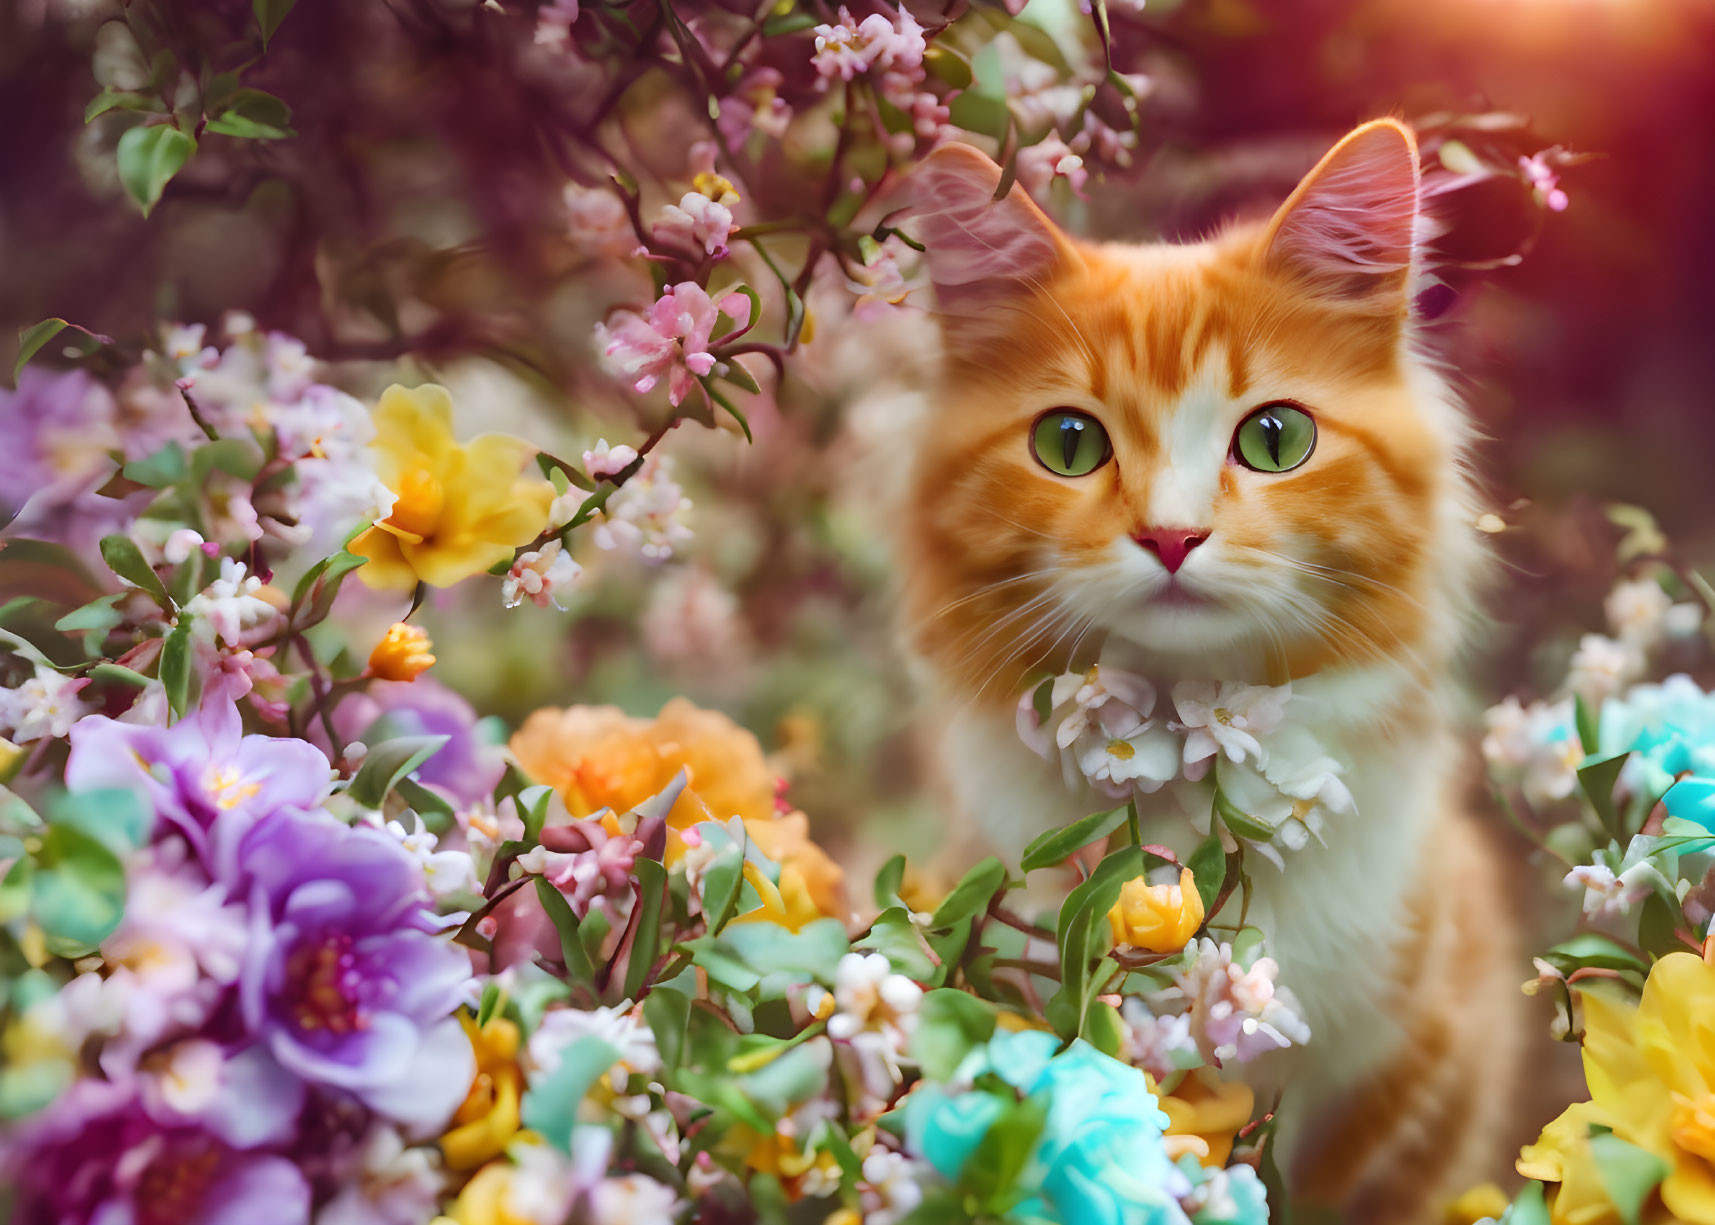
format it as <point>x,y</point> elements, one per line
<point>1332,916</point>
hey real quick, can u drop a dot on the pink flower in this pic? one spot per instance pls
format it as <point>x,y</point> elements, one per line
<point>1049,159</point>
<point>554,24</point>
<point>850,48</point>
<point>697,222</point>
<point>597,222</point>
<point>671,341</point>
<point>1544,181</point>
<point>755,103</point>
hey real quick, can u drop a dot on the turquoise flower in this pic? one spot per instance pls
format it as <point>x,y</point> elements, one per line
<point>1692,799</point>
<point>1098,1158</point>
<point>1233,1196</point>
<point>1668,728</point>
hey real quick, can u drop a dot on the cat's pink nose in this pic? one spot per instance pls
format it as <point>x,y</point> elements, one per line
<point>1171,544</point>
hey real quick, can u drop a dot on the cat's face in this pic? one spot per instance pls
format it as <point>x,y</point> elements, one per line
<point>1219,454</point>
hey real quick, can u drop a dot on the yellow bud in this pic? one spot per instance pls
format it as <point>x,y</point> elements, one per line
<point>1486,1200</point>
<point>403,654</point>
<point>1157,918</point>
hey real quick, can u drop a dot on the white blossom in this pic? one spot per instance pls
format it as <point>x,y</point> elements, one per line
<point>1636,610</point>
<point>44,707</point>
<point>444,872</point>
<point>1603,666</point>
<point>1226,719</point>
<point>229,607</point>
<point>541,576</point>
<point>646,514</point>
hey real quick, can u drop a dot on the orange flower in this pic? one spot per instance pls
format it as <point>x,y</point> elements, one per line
<point>599,757</point>
<point>403,654</point>
<point>489,1116</point>
<point>1205,1114</point>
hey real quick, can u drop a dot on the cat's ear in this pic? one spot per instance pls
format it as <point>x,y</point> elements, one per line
<point>1346,233</point>
<point>981,250</point>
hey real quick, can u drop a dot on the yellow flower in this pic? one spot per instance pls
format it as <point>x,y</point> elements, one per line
<point>1157,918</point>
<point>460,509</point>
<point>1651,1075</point>
<point>1204,1115</point>
<point>403,654</point>
<point>487,1199</point>
<point>598,757</point>
<point>489,1116</point>
<point>1479,1203</point>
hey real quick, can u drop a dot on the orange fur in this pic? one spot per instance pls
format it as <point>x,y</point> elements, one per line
<point>1358,566</point>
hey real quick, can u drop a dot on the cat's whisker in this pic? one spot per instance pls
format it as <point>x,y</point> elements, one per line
<point>987,589</point>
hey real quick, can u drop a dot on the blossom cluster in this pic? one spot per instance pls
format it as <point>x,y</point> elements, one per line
<point>302,941</point>
<point>1614,775</point>
<point>1269,778</point>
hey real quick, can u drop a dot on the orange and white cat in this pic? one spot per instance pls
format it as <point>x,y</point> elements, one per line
<point>1080,493</point>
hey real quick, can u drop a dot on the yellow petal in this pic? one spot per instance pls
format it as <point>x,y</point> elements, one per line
<point>386,569</point>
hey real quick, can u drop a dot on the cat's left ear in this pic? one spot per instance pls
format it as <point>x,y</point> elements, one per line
<point>1346,233</point>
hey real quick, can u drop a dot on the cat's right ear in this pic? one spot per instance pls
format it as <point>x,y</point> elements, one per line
<point>981,250</point>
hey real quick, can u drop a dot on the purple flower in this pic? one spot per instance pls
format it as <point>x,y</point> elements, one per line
<point>202,774</point>
<point>345,979</point>
<point>97,1158</point>
<point>60,435</point>
<point>466,767</point>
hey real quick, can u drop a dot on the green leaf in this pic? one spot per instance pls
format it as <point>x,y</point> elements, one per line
<point>1005,1149</point>
<point>1208,864</point>
<point>489,1005</point>
<point>77,891</point>
<point>125,559</point>
<point>148,159</point>
<point>895,937</point>
<point>424,801</point>
<point>98,614</point>
<point>118,674</point>
<point>789,23</point>
<point>1593,949</point>
<point>1084,910</point>
<point>165,467</point>
<point>320,585</point>
<point>1528,1207</point>
<point>235,456</point>
<point>950,1023</point>
<point>253,115</point>
<point>721,887</point>
<point>175,666</point>
<point>31,340</point>
<point>651,893</point>
<point>1103,1028</point>
<point>813,951</point>
<point>1597,777</point>
<point>1239,821</point>
<point>724,402</point>
<point>735,373</point>
<point>551,1106</point>
<point>667,1012</point>
<point>972,894</point>
<point>118,100</point>
<point>27,1087</point>
<point>578,967</point>
<point>388,762</point>
<point>975,112</point>
<point>116,817</point>
<point>269,15</point>
<point>946,64</point>
<point>1585,720</point>
<point>888,881</point>
<point>533,804</point>
<point>1629,1173</point>
<point>1058,845</point>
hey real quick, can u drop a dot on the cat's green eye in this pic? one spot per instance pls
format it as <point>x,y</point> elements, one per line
<point>1275,438</point>
<point>1070,443</point>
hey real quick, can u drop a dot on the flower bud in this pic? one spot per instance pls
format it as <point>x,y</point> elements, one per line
<point>1157,918</point>
<point>403,654</point>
